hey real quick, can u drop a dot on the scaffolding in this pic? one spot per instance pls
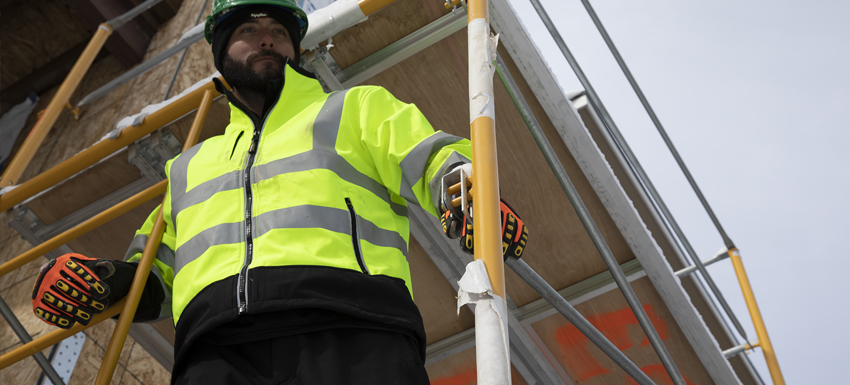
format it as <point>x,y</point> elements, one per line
<point>525,350</point>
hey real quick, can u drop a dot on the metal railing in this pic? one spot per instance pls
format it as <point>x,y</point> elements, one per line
<point>646,184</point>
<point>62,97</point>
<point>127,306</point>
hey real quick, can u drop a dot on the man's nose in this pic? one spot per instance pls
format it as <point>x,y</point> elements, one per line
<point>267,41</point>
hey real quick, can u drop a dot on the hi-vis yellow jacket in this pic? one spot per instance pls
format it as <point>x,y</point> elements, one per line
<point>304,208</point>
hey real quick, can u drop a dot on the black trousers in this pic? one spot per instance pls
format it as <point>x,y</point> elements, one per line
<point>344,356</point>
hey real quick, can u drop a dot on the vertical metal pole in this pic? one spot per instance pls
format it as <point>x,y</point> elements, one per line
<point>491,336</point>
<point>122,327</point>
<point>657,122</point>
<point>758,322</point>
<point>589,224</point>
<point>25,338</point>
<point>582,324</point>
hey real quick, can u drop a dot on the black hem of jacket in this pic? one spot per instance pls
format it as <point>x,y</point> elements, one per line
<point>379,300</point>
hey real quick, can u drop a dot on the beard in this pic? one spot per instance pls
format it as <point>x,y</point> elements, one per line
<point>242,77</point>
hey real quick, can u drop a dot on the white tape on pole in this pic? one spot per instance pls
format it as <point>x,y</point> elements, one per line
<point>482,52</point>
<point>492,350</point>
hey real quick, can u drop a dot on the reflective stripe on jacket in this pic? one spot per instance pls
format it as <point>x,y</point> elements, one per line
<point>330,177</point>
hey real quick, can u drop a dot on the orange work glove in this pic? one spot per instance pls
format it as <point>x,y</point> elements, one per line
<point>68,291</point>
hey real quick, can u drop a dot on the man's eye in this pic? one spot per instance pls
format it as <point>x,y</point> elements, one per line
<point>281,32</point>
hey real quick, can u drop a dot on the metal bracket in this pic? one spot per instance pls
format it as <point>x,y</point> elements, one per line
<point>325,67</point>
<point>151,153</point>
<point>66,356</point>
<point>32,228</point>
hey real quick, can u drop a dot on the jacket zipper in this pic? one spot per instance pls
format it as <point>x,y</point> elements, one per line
<point>242,282</point>
<point>355,237</point>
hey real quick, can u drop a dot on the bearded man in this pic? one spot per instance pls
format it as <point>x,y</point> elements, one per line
<point>284,258</point>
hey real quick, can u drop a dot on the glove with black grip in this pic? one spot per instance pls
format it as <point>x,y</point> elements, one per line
<point>514,231</point>
<point>73,287</point>
<point>456,224</point>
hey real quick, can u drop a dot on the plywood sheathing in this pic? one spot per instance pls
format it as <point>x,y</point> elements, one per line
<point>559,247</point>
<point>34,33</point>
<point>69,136</point>
<point>610,313</point>
<point>111,241</point>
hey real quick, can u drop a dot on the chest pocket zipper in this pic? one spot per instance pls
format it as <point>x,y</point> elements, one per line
<point>355,236</point>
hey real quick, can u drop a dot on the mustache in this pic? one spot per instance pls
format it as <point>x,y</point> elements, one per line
<point>267,53</point>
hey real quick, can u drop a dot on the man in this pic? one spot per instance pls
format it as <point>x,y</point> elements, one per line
<point>284,258</point>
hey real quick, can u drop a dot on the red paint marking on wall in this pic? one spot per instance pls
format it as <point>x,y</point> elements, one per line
<point>658,375</point>
<point>576,352</point>
<point>615,326</point>
<point>468,377</point>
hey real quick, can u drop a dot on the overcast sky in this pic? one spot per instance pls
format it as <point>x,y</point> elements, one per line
<point>753,94</point>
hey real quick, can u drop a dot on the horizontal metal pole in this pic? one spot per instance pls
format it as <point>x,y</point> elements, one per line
<point>184,43</point>
<point>731,352</point>
<point>690,269</point>
<point>42,361</point>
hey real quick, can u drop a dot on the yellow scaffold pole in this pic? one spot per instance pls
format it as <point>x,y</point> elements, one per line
<point>122,327</point>
<point>20,161</point>
<point>491,327</point>
<point>755,314</point>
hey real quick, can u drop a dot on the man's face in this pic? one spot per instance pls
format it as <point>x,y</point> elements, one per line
<point>256,53</point>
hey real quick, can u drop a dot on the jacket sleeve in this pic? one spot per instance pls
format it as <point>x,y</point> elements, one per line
<point>155,308</point>
<point>409,155</point>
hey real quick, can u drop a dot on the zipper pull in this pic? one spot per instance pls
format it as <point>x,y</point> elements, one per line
<point>254,140</point>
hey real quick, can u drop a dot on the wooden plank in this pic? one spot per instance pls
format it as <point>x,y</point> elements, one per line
<point>611,315</point>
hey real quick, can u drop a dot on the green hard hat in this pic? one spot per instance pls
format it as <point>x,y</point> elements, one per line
<point>223,8</point>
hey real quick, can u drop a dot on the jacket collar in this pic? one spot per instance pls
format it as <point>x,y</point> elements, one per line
<point>294,83</point>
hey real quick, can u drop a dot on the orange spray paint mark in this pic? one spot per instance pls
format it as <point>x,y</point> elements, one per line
<point>615,326</point>
<point>468,377</point>
<point>658,375</point>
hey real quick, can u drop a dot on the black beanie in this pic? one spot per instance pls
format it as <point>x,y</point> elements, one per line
<point>222,31</point>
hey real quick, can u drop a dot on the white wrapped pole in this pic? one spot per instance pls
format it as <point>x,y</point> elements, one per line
<point>483,284</point>
<point>491,324</point>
